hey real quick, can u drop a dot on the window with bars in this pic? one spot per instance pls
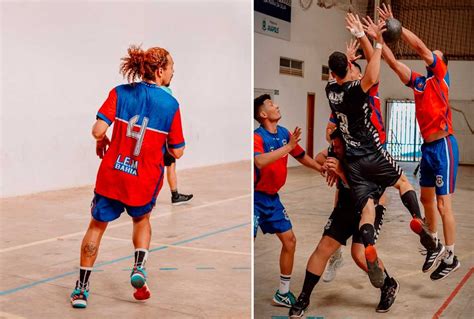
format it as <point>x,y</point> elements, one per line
<point>403,133</point>
<point>291,67</point>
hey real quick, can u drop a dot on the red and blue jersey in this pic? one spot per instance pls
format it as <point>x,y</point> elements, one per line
<point>145,118</point>
<point>272,177</point>
<point>376,116</point>
<point>433,111</point>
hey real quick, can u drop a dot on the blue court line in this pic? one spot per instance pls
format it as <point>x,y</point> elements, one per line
<point>168,268</point>
<point>113,261</point>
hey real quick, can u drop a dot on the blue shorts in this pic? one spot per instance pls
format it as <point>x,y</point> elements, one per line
<point>439,165</point>
<point>269,214</point>
<point>105,209</point>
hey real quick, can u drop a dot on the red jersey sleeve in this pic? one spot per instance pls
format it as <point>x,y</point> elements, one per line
<point>417,81</point>
<point>332,119</point>
<point>257,145</point>
<point>175,135</point>
<point>438,67</point>
<point>108,109</point>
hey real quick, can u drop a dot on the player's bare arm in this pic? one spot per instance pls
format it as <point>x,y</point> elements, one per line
<point>409,37</point>
<point>102,141</point>
<point>176,152</point>
<point>264,159</point>
<point>310,163</point>
<point>372,71</point>
<point>400,69</point>
<point>354,25</point>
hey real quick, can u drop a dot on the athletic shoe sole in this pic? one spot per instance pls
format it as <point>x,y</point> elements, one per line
<point>426,240</point>
<point>182,203</point>
<point>394,297</point>
<point>142,293</point>
<point>137,281</point>
<point>80,304</point>
<point>436,261</point>
<point>457,267</point>
<point>280,304</point>
<point>374,271</point>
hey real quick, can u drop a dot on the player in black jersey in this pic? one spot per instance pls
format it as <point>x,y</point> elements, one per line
<point>367,165</point>
<point>342,224</point>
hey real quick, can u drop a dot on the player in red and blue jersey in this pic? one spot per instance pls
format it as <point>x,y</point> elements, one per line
<point>272,144</point>
<point>146,118</point>
<point>440,155</point>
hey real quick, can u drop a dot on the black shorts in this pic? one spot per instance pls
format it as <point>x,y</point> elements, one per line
<point>368,176</point>
<point>344,223</point>
<point>168,159</point>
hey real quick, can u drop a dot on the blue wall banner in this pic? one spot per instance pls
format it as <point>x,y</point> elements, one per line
<point>273,18</point>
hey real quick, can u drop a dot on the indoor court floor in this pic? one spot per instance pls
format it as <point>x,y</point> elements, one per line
<point>350,295</point>
<point>199,264</point>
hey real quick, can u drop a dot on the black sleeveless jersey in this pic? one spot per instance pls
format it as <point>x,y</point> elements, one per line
<point>350,106</point>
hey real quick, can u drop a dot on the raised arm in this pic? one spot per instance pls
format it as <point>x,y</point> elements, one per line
<point>400,69</point>
<point>354,25</point>
<point>372,71</point>
<point>409,37</point>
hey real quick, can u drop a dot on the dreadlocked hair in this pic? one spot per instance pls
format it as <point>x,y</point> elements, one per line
<point>140,64</point>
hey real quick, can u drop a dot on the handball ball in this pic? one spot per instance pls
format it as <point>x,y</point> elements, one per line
<point>394,30</point>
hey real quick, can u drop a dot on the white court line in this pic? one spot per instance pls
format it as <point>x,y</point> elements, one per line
<point>184,247</point>
<point>5,315</point>
<point>44,241</point>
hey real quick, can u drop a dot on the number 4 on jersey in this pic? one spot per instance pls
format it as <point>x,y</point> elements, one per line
<point>139,136</point>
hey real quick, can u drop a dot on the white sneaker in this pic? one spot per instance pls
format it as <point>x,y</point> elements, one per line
<point>334,263</point>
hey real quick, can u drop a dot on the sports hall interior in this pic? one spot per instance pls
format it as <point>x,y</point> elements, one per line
<point>315,33</point>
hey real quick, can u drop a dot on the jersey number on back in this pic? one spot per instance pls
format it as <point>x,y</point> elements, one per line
<point>139,136</point>
<point>343,123</point>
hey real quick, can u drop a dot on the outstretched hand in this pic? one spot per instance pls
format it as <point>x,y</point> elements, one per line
<point>354,25</point>
<point>374,30</point>
<point>385,12</point>
<point>295,137</point>
<point>351,50</point>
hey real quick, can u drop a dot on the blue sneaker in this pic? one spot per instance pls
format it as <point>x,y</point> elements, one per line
<point>79,296</point>
<point>138,277</point>
<point>285,300</point>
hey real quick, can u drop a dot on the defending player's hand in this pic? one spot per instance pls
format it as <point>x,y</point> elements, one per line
<point>385,12</point>
<point>331,178</point>
<point>354,25</point>
<point>351,51</point>
<point>375,30</point>
<point>102,146</point>
<point>295,138</point>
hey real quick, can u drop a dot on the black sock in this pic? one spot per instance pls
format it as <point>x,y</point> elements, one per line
<point>174,193</point>
<point>141,255</point>
<point>367,233</point>
<point>387,280</point>
<point>84,274</point>
<point>310,280</point>
<point>411,203</point>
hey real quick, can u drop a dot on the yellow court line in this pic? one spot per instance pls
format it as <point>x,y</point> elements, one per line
<point>185,247</point>
<point>5,315</point>
<point>44,241</point>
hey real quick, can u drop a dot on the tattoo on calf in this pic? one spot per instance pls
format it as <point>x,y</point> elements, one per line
<point>90,249</point>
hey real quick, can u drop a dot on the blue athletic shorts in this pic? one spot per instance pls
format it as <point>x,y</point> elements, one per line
<point>269,214</point>
<point>439,165</point>
<point>105,209</point>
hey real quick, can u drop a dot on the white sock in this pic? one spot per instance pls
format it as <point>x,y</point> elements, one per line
<point>284,284</point>
<point>449,257</point>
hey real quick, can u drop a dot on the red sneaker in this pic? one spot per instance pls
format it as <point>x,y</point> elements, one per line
<point>142,293</point>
